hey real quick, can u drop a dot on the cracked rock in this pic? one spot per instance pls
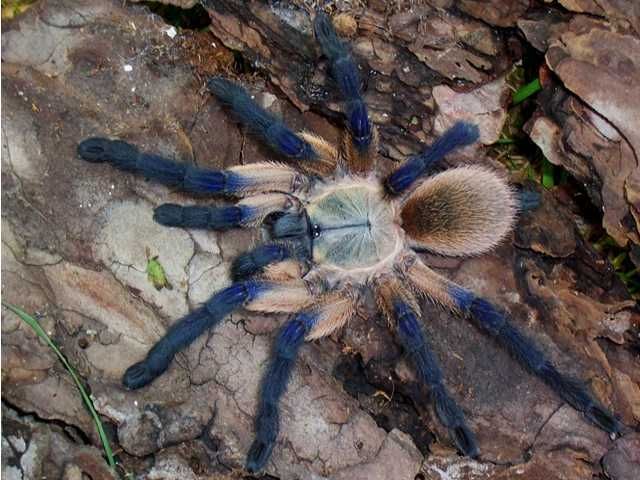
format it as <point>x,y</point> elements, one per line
<point>482,106</point>
<point>130,238</point>
<point>207,274</point>
<point>32,449</point>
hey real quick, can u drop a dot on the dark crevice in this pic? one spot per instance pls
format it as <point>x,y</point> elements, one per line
<point>243,65</point>
<point>390,403</point>
<point>194,18</point>
<point>72,432</point>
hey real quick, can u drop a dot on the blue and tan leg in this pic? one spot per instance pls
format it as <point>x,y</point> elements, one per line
<point>401,309</point>
<point>497,323</point>
<point>459,135</point>
<point>252,294</point>
<point>313,153</point>
<point>360,142</point>
<point>249,212</point>
<point>237,181</point>
<point>330,313</point>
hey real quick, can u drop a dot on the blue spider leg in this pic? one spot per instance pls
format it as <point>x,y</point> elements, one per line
<point>249,212</point>
<point>254,261</point>
<point>460,135</point>
<point>127,157</point>
<point>528,200</point>
<point>572,390</point>
<point>190,327</point>
<point>267,423</point>
<point>417,346</point>
<point>214,218</point>
<point>272,130</point>
<point>345,73</point>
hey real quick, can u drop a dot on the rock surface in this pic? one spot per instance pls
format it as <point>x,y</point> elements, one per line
<point>77,239</point>
<point>590,130</point>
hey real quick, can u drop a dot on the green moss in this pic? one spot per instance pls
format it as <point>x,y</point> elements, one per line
<point>11,8</point>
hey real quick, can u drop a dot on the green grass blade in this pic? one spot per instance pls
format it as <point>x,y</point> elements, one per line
<point>505,141</point>
<point>547,174</point>
<point>35,325</point>
<point>526,91</point>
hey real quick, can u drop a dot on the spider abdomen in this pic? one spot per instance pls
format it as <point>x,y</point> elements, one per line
<point>354,227</point>
<point>461,211</point>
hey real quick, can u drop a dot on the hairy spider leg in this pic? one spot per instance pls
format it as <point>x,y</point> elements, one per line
<point>360,142</point>
<point>398,302</point>
<point>327,314</point>
<point>417,347</point>
<point>459,135</point>
<point>267,421</point>
<point>277,135</point>
<point>246,213</point>
<point>496,323</point>
<point>255,261</point>
<point>237,181</point>
<point>190,327</point>
<point>212,218</point>
<point>572,390</point>
<point>288,296</point>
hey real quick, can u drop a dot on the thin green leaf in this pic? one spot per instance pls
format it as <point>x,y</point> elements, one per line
<point>628,276</point>
<point>618,260</point>
<point>505,141</point>
<point>35,325</point>
<point>547,174</point>
<point>526,91</point>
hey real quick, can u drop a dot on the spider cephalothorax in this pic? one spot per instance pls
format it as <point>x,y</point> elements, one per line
<point>333,228</point>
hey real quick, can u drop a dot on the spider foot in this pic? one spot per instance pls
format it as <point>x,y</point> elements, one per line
<point>139,375</point>
<point>267,425</point>
<point>603,419</point>
<point>465,440</point>
<point>258,455</point>
<point>451,416</point>
<point>168,214</point>
<point>97,150</point>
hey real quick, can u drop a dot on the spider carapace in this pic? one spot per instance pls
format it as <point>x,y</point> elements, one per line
<point>351,228</point>
<point>334,226</point>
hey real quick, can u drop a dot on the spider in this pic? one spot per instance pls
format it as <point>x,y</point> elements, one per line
<point>332,230</point>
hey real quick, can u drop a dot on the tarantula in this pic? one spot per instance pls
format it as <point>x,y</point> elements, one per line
<point>334,228</point>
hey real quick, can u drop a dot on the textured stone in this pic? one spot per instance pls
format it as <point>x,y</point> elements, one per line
<point>495,12</point>
<point>601,66</point>
<point>483,106</point>
<point>623,461</point>
<point>592,150</point>
<point>130,238</point>
<point>32,449</point>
